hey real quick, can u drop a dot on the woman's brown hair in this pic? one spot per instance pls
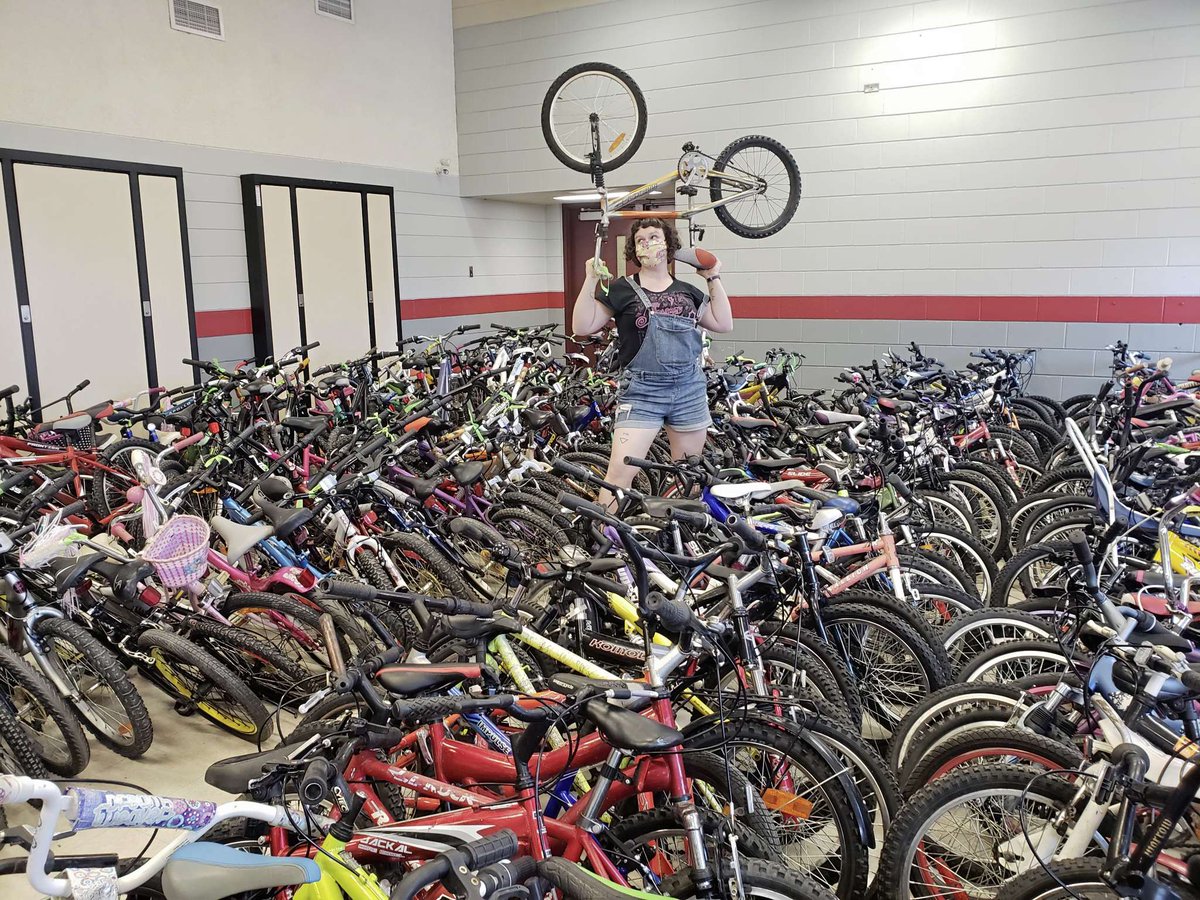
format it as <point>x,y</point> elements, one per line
<point>668,231</point>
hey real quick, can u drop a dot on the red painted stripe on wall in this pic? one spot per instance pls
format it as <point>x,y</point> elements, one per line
<point>222,322</point>
<point>438,307</point>
<point>1161,310</point>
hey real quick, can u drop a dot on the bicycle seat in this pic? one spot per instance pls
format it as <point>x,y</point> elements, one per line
<point>573,414</point>
<point>78,422</point>
<point>275,488</point>
<point>467,473</point>
<point>422,488</point>
<point>414,680</point>
<point>285,519</point>
<point>774,465</point>
<point>304,423</point>
<point>536,418</point>
<point>208,871</point>
<point>751,490</point>
<point>832,417</point>
<point>894,405</point>
<point>239,539</point>
<point>68,572</point>
<point>627,730</point>
<point>660,507</point>
<point>749,423</point>
<point>820,432</point>
<point>234,774</point>
<point>1153,410</point>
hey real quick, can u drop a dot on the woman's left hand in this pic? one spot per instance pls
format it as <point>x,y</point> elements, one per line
<point>710,273</point>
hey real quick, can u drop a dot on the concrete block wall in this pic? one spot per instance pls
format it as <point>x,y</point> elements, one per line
<point>1027,168</point>
<point>514,248</point>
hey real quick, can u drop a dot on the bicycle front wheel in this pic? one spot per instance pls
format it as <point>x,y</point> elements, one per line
<point>584,91</point>
<point>768,163</point>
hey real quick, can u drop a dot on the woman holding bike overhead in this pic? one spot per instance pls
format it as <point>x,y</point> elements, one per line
<point>659,321</point>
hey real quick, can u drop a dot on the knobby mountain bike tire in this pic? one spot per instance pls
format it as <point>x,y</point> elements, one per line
<point>774,166</point>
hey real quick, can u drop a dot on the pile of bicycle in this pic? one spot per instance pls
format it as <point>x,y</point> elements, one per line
<point>924,636</point>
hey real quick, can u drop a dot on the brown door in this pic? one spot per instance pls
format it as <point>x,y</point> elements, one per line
<point>579,243</point>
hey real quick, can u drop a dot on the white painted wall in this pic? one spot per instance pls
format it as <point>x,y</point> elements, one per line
<point>284,81</point>
<point>1043,147</point>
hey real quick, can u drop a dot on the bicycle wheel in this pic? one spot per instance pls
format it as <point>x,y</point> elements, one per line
<point>1006,663</point>
<point>943,705</point>
<point>600,90</point>
<point>768,163</point>
<point>50,726</point>
<point>288,626</point>
<point>817,827</point>
<point>1062,879</point>
<point>271,674</point>
<point>202,684</point>
<point>100,690</point>
<point>963,835</point>
<point>988,744</point>
<point>975,632</point>
<point>895,666</point>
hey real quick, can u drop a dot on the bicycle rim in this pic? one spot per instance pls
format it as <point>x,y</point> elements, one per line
<point>593,92</point>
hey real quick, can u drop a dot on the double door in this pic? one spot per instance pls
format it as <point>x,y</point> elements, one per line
<point>322,262</point>
<point>95,278</point>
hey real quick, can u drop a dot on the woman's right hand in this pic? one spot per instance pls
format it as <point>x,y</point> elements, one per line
<point>590,269</point>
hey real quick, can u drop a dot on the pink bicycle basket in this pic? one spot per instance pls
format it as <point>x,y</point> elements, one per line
<point>179,551</point>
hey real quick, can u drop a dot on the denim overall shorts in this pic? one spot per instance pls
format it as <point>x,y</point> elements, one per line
<point>664,383</point>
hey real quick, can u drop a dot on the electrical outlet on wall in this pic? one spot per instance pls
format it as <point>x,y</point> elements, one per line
<point>443,167</point>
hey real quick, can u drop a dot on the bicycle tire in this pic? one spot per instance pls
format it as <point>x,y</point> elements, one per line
<point>990,783</point>
<point>972,556</point>
<point>945,504</point>
<point>1081,878</point>
<point>1016,575</point>
<point>535,535</point>
<point>936,568</point>
<point>759,878</point>
<point>1056,406</point>
<point>990,626</point>
<point>135,734</point>
<point>823,653</point>
<point>978,744</point>
<point>413,554</point>
<point>563,154</point>
<point>271,674</point>
<point>811,777</point>
<point>942,705</point>
<point>18,756</point>
<point>50,724</point>
<point>252,723</point>
<point>299,640</point>
<point>983,498</point>
<point>1007,663</point>
<point>784,158</point>
<point>928,665</point>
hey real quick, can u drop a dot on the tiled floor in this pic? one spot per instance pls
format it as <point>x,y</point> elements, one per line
<point>174,766</point>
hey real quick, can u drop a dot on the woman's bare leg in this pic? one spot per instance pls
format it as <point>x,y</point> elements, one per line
<point>686,443</point>
<point>626,442</point>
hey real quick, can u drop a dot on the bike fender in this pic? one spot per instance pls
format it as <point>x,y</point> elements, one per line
<point>293,578</point>
<point>858,806</point>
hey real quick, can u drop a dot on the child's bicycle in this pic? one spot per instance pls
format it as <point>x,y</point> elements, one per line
<point>594,120</point>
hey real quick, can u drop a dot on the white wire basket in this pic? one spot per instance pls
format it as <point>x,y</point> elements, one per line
<point>179,551</point>
<point>53,543</point>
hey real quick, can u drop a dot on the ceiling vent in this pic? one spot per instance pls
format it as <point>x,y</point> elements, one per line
<point>203,19</point>
<point>336,9</point>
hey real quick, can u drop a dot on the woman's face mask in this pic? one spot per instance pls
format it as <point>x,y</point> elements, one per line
<point>652,252</point>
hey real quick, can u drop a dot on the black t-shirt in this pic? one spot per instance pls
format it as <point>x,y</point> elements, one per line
<point>679,299</point>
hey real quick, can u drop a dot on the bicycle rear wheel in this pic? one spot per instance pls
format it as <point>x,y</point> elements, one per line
<point>593,89</point>
<point>771,164</point>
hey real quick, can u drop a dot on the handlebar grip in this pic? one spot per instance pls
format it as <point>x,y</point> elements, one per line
<point>9,391</point>
<point>1083,552</point>
<point>1191,680</point>
<point>376,443</point>
<point>576,882</point>
<point>81,385</point>
<point>427,708</point>
<point>348,589</point>
<point>316,780</point>
<point>466,328</point>
<point>583,507</point>
<point>570,468</point>
<point>73,509</point>
<point>196,363</point>
<point>697,520</point>
<point>499,876</point>
<point>501,845</point>
<point>749,535</point>
<point>304,348</point>
<point>674,615</point>
<point>456,607</point>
